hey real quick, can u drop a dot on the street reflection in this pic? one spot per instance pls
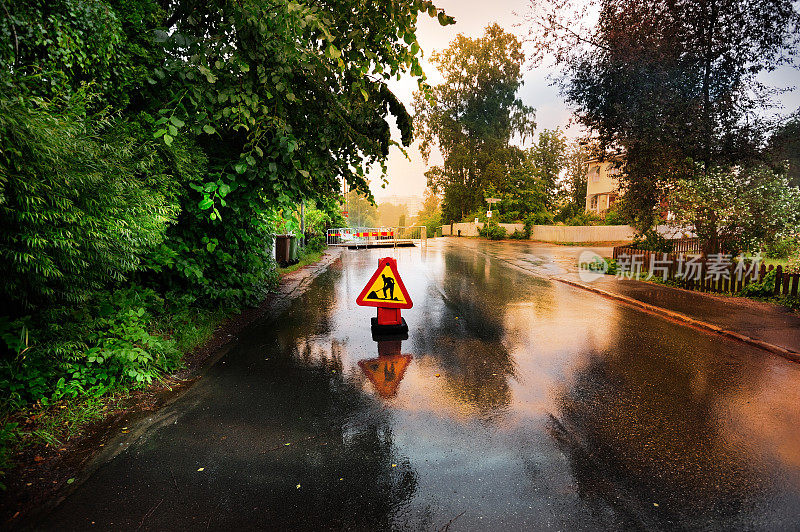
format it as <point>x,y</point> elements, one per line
<point>386,371</point>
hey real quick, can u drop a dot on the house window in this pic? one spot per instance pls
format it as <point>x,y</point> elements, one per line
<point>594,173</point>
<point>593,202</point>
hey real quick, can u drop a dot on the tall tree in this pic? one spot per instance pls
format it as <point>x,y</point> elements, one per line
<point>389,214</point>
<point>361,212</point>
<point>431,213</point>
<point>548,156</point>
<point>471,117</point>
<point>784,148</point>
<point>574,183</point>
<point>670,81</point>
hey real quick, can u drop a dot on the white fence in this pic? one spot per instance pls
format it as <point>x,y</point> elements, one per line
<point>367,236</point>
<point>553,233</point>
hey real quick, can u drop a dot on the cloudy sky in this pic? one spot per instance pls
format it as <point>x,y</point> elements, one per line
<point>406,176</point>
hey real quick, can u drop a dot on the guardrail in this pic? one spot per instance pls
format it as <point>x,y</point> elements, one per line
<point>371,236</point>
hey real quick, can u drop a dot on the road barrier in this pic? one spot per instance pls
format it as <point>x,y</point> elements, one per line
<point>355,237</point>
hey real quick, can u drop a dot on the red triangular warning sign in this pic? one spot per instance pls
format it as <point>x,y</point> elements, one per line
<point>385,288</point>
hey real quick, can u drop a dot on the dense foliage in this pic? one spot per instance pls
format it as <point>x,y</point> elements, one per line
<point>673,83</point>
<point>149,151</point>
<point>471,118</point>
<point>741,208</point>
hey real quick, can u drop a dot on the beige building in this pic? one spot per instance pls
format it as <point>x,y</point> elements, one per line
<point>602,183</point>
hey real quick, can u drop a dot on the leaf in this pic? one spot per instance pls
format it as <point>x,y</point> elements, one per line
<point>206,203</point>
<point>168,140</point>
<point>177,122</point>
<point>241,168</point>
<point>365,95</point>
<point>201,469</point>
<point>209,129</point>
<point>71,480</point>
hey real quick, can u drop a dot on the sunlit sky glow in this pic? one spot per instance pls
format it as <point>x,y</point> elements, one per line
<point>406,176</point>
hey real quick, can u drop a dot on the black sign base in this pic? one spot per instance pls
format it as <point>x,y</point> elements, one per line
<point>389,332</point>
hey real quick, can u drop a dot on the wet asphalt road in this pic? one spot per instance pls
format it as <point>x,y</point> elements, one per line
<point>516,403</point>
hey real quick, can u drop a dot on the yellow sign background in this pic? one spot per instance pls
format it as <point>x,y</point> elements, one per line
<point>376,293</point>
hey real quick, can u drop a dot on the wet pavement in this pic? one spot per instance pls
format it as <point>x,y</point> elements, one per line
<point>516,403</point>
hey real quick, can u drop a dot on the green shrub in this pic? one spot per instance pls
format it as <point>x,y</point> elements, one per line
<point>81,202</point>
<point>583,218</point>
<point>652,240</point>
<point>492,231</point>
<point>518,235</point>
<point>615,215</point>
<point>317,243</point>
<point>127,337</point>
<point>763,288</point>
<point>781,248</point>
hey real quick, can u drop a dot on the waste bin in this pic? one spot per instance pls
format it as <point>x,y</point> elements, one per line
<point>282,249</point>
<point>294,256</point>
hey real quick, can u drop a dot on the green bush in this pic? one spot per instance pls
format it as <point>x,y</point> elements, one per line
<point>518,235</point>
<point>782,248</point>
<point>652,240</point>
<point>492,231</point>
<point>316,243</point>
<point>763,288</point>
<point>80,202</point>
<point>580,218</point>
<point>615,215</point>
<point>118,338</point>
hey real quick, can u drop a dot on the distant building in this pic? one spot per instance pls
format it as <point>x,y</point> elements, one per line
<point>602,183</point>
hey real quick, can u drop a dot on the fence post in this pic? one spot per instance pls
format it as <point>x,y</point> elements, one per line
<point>778,283</point>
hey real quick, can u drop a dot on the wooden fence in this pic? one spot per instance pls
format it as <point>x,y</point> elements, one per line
<point>686,245</point>
<point>702,273</point>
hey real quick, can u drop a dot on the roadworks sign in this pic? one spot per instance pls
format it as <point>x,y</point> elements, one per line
<point>385,288</point>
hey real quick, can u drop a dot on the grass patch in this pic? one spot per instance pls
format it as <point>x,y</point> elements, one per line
<point>56,417</point>
<point>306,258</point>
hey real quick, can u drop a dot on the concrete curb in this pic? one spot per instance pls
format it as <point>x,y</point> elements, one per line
<point>788,354</point>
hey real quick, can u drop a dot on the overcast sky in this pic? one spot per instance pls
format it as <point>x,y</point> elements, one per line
<point>406,177</point>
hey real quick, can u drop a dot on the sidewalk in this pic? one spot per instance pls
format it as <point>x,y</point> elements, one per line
<point>765,325</point>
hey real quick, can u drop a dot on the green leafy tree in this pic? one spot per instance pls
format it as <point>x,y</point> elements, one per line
<point>362,212</point>
<point>431,213</point>
<point>739,209</point>
<point>574,183</point>
<point>671,83</point>
<point>549,158</point>
<point>81,202</point>
<point>471,117</point>
<point>784,148</point>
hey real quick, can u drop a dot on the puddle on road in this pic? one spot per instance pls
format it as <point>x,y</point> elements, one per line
<point>515,403</point>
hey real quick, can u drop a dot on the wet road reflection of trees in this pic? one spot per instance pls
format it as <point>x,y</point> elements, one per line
<point>644,436</point>
<point>353,475</point>
<point>465,332</point>
<point>276,436</point>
